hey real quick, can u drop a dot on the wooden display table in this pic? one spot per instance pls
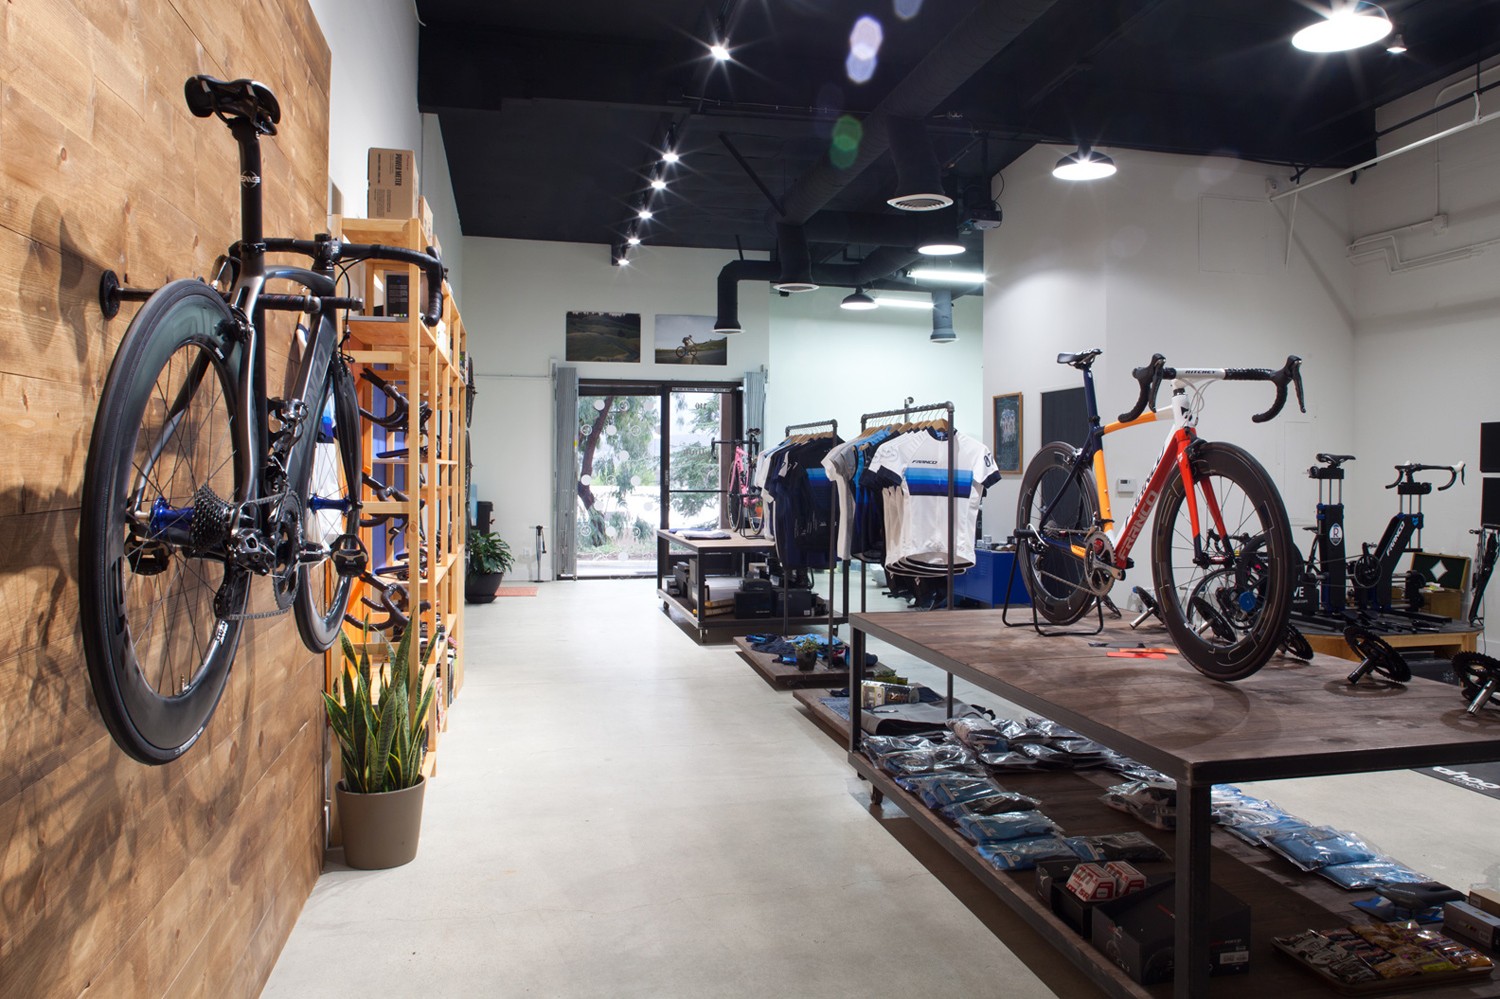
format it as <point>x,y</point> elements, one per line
<point>1288,720</point>
<point>786,676</point>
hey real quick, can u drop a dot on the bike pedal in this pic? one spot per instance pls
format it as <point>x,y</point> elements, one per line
<point>348,555</point>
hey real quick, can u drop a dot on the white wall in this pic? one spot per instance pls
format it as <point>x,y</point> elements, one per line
<point>1181,256</point>
<point>374,103</point>
<point>1427,338</point>
<point>830,363</point>
<point>519,294</point>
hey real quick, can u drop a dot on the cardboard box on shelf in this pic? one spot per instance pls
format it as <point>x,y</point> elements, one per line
<point>424,212</point>
<point>393,184</point>
<point>1487,899</point>
<point>1460,919</point>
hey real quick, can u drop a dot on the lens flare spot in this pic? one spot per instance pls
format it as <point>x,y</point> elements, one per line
<point>859,70</point>
<point>865,39</point>
<point>843,147</point>
<point>908,9</point>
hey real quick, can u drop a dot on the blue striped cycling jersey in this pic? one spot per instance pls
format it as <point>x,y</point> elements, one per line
<point>914,469</point>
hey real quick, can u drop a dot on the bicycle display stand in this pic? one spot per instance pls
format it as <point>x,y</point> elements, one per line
<point>1036,623</point>
<point>427,367</point>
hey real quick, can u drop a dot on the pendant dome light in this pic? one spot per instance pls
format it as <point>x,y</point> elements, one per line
<point>858,302</point>
<point>1084,164</point>
<point>1346,25</point>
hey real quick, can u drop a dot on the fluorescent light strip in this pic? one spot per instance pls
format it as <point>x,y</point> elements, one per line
<point>947,276</point>
<point>886,302</point>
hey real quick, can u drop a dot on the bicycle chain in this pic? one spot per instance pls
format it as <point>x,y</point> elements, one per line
<point>256,616</point>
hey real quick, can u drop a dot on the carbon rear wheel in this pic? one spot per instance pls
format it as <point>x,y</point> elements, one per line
<point>329,473</point>
<point>159,605</point>
<point>1054,573</point>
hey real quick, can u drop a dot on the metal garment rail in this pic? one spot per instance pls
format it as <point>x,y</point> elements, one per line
<point>857,654</point>
<point>833,534</point>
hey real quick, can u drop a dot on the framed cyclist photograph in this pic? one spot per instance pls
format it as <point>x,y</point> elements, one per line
<point>1008,433</point>
<point>689,340</point>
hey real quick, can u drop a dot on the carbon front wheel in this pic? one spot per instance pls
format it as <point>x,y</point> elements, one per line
<point>328,481</point>
<point>159,606</point>
<point>1225,599</point>
<point>1053,573</point>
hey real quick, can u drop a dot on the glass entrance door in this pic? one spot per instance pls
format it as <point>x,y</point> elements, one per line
<point>619,482</point>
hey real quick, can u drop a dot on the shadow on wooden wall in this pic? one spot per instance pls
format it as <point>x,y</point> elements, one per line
<point>117,878</point>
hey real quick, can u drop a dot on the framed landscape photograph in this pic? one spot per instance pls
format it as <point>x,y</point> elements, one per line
<point>689,340</point>
<point>1008,432</point>
<point>603,336</point>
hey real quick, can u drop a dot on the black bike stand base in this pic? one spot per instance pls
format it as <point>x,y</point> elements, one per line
<point>1036,624</point>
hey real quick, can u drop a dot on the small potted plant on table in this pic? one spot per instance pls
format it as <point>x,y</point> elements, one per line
<point>807,653</point>
<point>380,723</point>
<point>490,558</point>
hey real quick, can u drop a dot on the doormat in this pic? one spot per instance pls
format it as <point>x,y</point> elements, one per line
<point>516,591</point>
<point>1481,777</point>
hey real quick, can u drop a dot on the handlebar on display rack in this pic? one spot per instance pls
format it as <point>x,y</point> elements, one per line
<point>1406,471</point>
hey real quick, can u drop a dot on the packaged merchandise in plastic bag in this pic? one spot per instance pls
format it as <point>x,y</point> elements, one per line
<point>978,733</point>
<point>1314,847</point>
<point>996,804</point>
<point>1368,873</point>
<point>1116,846</point>
<point>1024,854</point>
<point>942,756</point>
<point>1154,803</point>
<point>1007,826</point>
<point>944,791</point>
<point>1010,759</point>
<point>878,747</point>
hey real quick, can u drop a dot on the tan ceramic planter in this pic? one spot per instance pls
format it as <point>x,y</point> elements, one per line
<point>381,830</point>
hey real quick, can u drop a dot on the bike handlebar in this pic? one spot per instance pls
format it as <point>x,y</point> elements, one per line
<point>1406,471</point>
<point>1150,378</point>
<point>327,252</point>
<point>1151,375</point>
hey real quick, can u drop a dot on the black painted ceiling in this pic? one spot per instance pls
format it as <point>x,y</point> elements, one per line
<point>551,112</point>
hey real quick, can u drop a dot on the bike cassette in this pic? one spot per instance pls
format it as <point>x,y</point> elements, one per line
<point>348,555</point>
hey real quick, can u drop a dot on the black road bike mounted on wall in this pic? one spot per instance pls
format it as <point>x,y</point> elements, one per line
<point>197,481</point>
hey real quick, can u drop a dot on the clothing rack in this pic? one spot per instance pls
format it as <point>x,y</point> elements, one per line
<point>906,412</point>
<point>832,427</point>
<point>857,670</point>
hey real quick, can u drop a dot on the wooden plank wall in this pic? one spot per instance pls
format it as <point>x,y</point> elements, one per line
<point>118,879</point>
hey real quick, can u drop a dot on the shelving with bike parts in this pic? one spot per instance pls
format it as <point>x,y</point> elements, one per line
<point>412,381</point>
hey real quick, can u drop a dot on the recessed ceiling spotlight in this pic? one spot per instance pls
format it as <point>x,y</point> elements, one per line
<point>643,214</point>
<point>1397,45</point>
<point>670,156</point>
<point>1345,26</point>
<point>1084,164</point>
<point>633,240</point>
<point>719,51</point>
<point>657,184</point>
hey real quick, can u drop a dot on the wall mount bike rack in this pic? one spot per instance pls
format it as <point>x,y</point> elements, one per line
<point>112,293</point>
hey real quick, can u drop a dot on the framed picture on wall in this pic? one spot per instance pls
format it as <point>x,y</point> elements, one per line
<point>689,340</point>
<point>1008,432</point>
<point>603,336</point>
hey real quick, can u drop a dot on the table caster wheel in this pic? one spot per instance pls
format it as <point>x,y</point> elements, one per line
<point>876,796</point>
<point>1376,656</point>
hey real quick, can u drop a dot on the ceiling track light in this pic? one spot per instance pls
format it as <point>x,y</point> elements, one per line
<point>1084,164</point>
<point>632,240</point>
<point>719,50</point>
<point>858,302</point>
<point>946,275</point>
<point>1348,24</point>
<point>657,184</point>
<point>1397,45</point>
<point>644,214</point>
<point>619,256</point>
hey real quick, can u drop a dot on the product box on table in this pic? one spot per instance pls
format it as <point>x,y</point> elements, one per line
<point>1487,899</point>
<point>1136,932</point>
<point>1461,919</point>
<point>754,603</point>
<point>1091,883</point>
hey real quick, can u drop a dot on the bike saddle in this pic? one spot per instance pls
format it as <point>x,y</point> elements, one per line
<point>1082,361</point>
<point>207,95</point>
<point>1334,460</point>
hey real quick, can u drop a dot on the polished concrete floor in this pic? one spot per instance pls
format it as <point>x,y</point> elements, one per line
<point>621,812</point>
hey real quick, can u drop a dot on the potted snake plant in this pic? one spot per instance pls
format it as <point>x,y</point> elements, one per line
<point>380,721</point>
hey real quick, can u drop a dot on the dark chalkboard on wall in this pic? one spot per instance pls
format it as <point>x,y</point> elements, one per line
<point>1065,417</point>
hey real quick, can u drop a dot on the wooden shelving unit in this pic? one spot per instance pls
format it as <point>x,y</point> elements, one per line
<point>426,364</point>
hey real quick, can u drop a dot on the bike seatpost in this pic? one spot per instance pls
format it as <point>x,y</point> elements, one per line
<point>252,215</point>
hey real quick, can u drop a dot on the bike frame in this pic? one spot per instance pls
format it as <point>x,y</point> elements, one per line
<point>1175,453</point>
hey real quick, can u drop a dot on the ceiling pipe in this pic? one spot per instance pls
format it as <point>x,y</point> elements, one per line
<point>826,275</point>
<point>796,263</point>
<point>972,43</point>
<point>919,182</point>
<point>870,229</point>
<point>942,316</point>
